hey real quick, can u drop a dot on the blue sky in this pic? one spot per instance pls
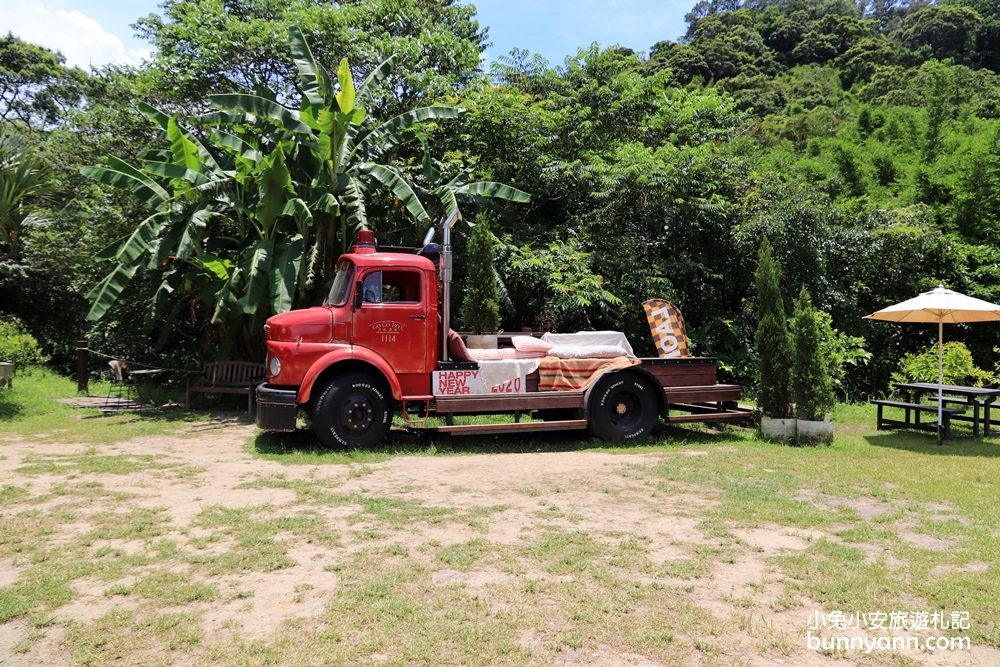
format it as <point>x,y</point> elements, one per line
<point>97,31</point>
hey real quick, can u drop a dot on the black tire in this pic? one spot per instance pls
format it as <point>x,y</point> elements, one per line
<point>622,406</point>
<point>352,410</point>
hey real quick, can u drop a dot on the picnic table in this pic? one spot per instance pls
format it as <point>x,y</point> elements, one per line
<point>979,399</point>
<point>144,383</point>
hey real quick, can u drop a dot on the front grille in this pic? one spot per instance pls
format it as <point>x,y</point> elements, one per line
<point>267,332</point>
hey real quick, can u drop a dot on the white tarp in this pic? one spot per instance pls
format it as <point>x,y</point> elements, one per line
<point>497,373</point>
<point>507,376</point>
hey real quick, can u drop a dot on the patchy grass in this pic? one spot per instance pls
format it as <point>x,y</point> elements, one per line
<point>398,512</point>
<point>560,552</point>
<point>409,622</point>
<point>312,491</point>
<point>463,555</point>
<point>53,559</point>
<point>867,489</point>
<point>166,588</point>
<point>395,513</point>
<point>551,572</point>
<point>254,529</point>
<point>138,523</point>
<point>10,493</point>
<point>123,637</point>
<point>90,462</point>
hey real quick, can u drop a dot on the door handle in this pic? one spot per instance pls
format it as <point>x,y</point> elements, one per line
<point>418,317</point>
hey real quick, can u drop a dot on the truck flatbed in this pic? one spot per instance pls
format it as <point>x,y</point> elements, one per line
<point>690,394</point>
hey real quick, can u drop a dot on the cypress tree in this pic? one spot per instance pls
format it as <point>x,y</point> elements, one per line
<point>481,306</point>
<point>771,341</point>
<point>812,391</point>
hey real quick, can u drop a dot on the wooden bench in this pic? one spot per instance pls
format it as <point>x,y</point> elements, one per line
<point>226,377</point>
<point>946,415</point>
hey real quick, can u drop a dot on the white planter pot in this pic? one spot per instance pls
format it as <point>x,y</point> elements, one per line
<point>481,342</point>
<point>813,433</point>
<point>779,430</point>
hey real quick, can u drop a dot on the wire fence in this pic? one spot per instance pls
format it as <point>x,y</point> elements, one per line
<point>131,363</point>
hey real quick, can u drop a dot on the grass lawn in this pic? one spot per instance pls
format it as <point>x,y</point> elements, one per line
<point>31,410</point>
<point>176,539</point>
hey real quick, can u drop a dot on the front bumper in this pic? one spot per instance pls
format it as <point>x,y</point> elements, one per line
<point>276,408</point>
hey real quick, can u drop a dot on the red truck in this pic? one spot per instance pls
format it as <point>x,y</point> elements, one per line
<point>379,344</point>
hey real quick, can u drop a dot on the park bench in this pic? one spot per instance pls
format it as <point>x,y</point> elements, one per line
<point>226,377</point>
<point>884,423</point>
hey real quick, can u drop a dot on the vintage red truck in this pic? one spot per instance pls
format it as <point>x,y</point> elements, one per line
<point>378,346</point>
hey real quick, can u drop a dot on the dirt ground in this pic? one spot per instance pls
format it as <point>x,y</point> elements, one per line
<point>506,500</point>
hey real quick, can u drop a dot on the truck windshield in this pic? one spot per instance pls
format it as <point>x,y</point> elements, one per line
<point>341,284</point>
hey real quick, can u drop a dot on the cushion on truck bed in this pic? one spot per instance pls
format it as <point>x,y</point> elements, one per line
<point>587,351</point>
<point>459,352</point>
<point>616,338</point>
<point>502,354</point>
<point>530,344</point>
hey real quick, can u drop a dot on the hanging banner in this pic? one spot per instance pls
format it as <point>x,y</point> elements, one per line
<point>667,326</point>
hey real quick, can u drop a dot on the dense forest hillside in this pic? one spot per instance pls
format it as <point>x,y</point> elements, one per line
<point>863,139</point>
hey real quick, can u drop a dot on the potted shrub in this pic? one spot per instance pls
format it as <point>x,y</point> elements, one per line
<point>481,306</point>
<point>772,347</point>
<point>811,385</point>
<point>18,350</point>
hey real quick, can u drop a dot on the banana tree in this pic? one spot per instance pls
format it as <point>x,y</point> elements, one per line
<point>444,194</point>
<point>227,229</point>
<point>250,221</point>
<point>340,158</point>
<point>24,181</point>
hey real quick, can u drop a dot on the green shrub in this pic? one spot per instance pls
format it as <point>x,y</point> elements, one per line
<point>811,388</point>
<point>554,287</point>
<point>840,351</point>
<point>481,307</point>
<point>959,368</point>
<point>771,342</point>
<point>19,346</point>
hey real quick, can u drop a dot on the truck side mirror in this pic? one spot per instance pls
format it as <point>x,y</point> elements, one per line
<point>359,294</point>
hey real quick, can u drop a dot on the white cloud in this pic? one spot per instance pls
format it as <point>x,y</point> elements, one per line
<point>77,36</point>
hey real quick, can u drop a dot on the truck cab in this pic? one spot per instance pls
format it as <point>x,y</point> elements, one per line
<point>379,323</point>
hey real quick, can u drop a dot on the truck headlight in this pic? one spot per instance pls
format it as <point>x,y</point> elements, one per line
<point>274,367</point>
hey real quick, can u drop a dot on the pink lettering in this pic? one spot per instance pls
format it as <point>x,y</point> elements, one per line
<point>455,382</point>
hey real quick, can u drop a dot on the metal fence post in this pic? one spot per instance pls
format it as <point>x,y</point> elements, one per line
<point>82,370</point>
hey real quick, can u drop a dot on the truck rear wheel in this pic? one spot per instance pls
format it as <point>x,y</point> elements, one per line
<point>622,406</point>
<point>352,410</point>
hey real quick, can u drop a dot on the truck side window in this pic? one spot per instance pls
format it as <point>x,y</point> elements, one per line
<point>372,287</point>
<point>392,287</point>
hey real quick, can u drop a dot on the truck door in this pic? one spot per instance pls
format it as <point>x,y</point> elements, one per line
<point>392,319</point>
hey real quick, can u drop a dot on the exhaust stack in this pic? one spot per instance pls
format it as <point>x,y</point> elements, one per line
<point>445,271</point>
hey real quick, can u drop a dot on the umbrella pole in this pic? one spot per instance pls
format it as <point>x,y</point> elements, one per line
<point>940,379</point>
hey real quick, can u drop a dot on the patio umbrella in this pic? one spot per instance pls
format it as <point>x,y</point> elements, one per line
<point>942,306</point>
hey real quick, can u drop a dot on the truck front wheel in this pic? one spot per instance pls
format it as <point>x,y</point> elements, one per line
<point>622,406</point>
<point>352,410</point>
